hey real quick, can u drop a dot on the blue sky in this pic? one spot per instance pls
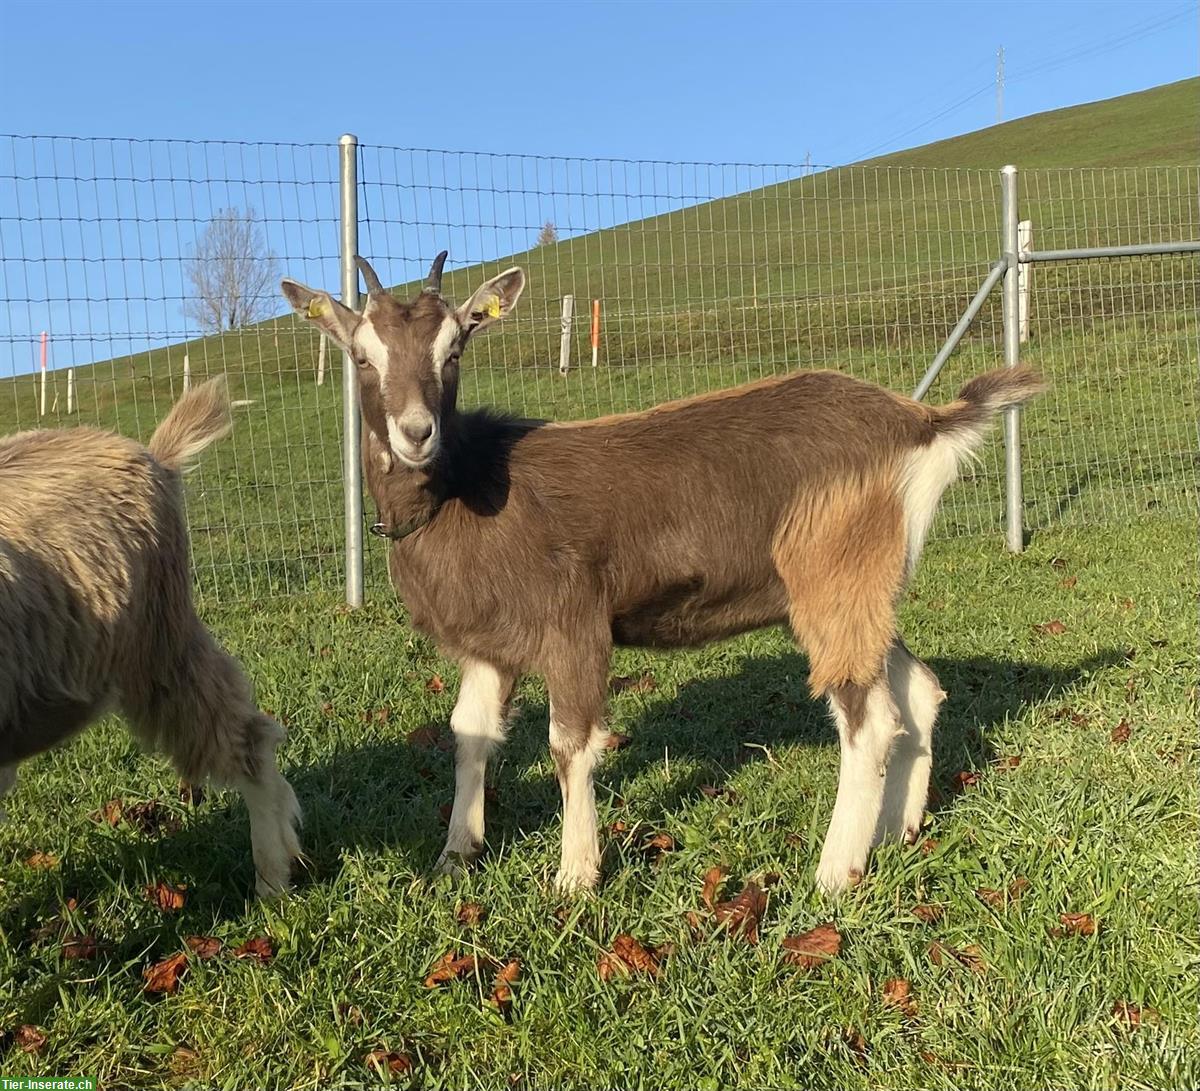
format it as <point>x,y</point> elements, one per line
<point>695,82</point>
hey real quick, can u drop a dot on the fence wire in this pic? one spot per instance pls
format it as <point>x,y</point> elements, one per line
<point>706,275</point>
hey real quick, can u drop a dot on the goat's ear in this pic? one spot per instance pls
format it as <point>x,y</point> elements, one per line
<point>323,311</point>
<point>492,300</point>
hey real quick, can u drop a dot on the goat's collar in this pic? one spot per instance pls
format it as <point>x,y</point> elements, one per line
<point>399,533</point>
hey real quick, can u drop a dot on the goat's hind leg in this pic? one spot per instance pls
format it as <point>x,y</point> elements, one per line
<point>479,722</point>
<point>8,781</point>
<point>918,696</point>
<point>205,718</point>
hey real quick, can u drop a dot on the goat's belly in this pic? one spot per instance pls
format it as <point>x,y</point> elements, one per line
<point>691,612</point>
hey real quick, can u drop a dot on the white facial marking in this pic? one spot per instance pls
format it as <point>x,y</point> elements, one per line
<point>373,348</point>
<point>447,335</point>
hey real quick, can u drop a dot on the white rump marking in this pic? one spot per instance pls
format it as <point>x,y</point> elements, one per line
<point>925,474</point>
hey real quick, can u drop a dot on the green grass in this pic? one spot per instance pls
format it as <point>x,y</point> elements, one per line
<point>1095,827</point>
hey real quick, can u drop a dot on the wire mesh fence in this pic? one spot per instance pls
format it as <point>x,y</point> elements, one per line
<point>704,276</point>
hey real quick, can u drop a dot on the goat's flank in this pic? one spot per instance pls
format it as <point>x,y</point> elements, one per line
<point>522,546</point>
<point>96,610</point>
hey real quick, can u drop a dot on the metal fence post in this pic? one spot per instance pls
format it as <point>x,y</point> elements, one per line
<point>1014,523</point>
<point>351,424</point>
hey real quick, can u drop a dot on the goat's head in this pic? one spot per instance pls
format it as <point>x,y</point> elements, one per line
<point>407,354</point>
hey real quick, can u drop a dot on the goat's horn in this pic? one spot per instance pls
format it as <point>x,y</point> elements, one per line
<point>434,283</point>
<point>373,284</point>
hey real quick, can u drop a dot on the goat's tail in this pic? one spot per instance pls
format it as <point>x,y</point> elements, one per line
<point>959,428</point>
<point>983,397</point>
<point>200,417</point>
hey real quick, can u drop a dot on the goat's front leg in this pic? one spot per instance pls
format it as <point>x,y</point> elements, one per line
<point>577,741</point>
<point>479,724</point>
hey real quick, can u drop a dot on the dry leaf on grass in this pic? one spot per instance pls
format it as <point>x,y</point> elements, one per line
<point>614,740</point>
<point>970,956</point>
<point>929,846</point>
<point>501,992</point>
<point>471,914</point>
<point>1075,924</point>
<point>711,791</point>
<point>1133,1015</point>
<point>930,914</point>
<point>742,915</point>
<point>430,736</point>
<point>30,1039</point>
<point>168,898</point>
<point>150,818</point>
<point>450,967</point>
<point>79,946</point>
<point>994,898</point>
<point>42,861</point>
<point>897,993</point>
<point>110,813</point>
<point>1050,628</point>
<point>714,877</point>
<point>1005,765</point>
<point>1120,733</point>
<point>258,948</point>
<point>628,683</point>
<point>1017,887</point>
<point>968,778</point>
<point>656,845</point>
<point>628,956</point>
<point>390,1062</point>
<point>163,977</point>
<point>435,684</point>
<point>814,947</point>
<point>1068,582</point>
<point>203,947</point>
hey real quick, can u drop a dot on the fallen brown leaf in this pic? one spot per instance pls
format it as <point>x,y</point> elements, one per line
<point>742,915</point>
<point>855,1042</point>
<point>713,878</point>
<point>501,993</point>
<point>1058,563</point>
<point>628,956</point>
<point>151,818</point>
<point>435,684</point>
<point>472,914</point>
<point>1126,604</point>
<point>163,977</point>
<point>390,1062</point>
<point>258,948</point>
<point>994,898</point>
<point>970,956</point>
<point>814,947</point>
<point>657,845</point>
<point>711,791</point>
<point>628,683</point>
<point>1017,887</point>
<point>168,898</point>
<point>1133,1015</point>
<point>897,993</point>
<point>1075,924</point>
<point>43,861</point>
<point>929,846</point>
<point>110,813</point>
<point>450,967</point>
<point>203,947</point>
<point>184,1061</point>
<point>968,778</point>
<point>30,1039</point>
<point>1068,582</point>
<point>1120,733</point>
<point>1005,765</point>
<point>1078,719</point>
<point>1050,628</point>
<point>79,946</point>
<point>930,914</point>
<point>428,737</point>
<point>327,708</point>
<point>614,740</point>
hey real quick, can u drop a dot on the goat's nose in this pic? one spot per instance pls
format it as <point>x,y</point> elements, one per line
<point>417,432</point>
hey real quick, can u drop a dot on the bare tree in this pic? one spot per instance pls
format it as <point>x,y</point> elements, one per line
<point>232,273</point>
<point>548,234</point>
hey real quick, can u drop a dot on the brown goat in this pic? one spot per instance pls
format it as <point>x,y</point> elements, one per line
<point>522,546</point>
<point>96,610</point>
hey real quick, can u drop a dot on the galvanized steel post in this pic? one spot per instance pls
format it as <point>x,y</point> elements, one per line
<point>1014,524</point>
<point>351,423</point>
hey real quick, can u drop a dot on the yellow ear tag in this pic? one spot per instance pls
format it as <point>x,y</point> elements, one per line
<point>316,307</point>
<point>493,306</point>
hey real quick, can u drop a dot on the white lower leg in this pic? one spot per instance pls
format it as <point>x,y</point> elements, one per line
<point>274,815</point>
<point>478,723</point>
<point>579,868</point>
<point>918,697</point>
<point>864,757</point>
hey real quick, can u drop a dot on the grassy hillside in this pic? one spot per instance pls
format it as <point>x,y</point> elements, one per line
<point>865,269</point>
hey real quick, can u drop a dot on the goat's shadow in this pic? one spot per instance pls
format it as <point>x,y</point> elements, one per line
<point>388,796</point>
